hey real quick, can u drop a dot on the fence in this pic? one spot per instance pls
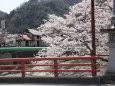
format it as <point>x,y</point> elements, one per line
<point>55,64</point>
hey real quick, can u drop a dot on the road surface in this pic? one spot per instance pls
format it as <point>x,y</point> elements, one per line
<point>50,85</point>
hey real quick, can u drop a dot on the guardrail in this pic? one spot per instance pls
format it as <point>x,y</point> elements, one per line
<point>55,64</point>
<point>4,49</point>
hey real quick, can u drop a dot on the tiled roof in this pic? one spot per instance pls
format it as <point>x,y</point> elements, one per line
<point>34,32</point>
<point>26,37</point>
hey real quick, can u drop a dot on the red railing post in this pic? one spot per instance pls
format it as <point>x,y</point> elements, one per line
<point>93,67</point>
<point>55,64</point>
<point>23,68</point>
<point>55,68</point>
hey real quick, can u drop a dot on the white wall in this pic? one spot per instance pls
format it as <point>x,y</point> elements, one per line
<point>111,63</point>
<point>23,44</point>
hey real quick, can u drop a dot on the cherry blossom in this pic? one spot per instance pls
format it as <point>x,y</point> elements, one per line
<point>71,34</point>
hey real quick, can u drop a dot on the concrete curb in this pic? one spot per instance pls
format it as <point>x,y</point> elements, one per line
<point>59,80</point>
<point>49,80</point>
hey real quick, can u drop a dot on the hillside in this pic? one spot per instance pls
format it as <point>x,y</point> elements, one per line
<point>70,2</point>
<point>32,13</point>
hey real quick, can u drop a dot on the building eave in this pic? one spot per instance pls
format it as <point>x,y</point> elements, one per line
<point>107,30</point>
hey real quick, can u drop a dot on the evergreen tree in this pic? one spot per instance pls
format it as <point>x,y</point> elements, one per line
<point>32,14</point>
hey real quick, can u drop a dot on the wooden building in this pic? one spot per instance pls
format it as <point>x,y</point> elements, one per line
<point>30,38</point>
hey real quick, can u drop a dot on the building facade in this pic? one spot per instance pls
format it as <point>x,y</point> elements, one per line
<point>30,38</point>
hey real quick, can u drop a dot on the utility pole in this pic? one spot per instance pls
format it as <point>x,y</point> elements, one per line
<point>93,27</point>
<point>93,52</point>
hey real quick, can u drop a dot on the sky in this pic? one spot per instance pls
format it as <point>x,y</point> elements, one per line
<point>9,5</point>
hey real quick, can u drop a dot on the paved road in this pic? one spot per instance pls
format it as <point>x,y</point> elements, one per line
<point>48,85</point>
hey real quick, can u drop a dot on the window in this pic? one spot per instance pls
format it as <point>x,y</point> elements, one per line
<point>38,37</point>
<point>112,36</point>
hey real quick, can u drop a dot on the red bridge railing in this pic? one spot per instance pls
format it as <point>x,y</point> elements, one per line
<point>55,65</point>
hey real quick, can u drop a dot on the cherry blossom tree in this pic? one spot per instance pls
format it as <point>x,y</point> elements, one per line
<point>71,34</point>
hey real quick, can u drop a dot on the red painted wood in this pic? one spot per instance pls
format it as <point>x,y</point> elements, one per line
<point>32,65</point>
<point>50,70</point>
<point>55,59</point>
<point>10,65</point>
<point>23,68</point>
<point>50,58</point>
<point>81,64</point>
<point>55,68</point>
<point>93,67</point>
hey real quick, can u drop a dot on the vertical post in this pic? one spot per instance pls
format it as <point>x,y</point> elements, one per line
<point>93,27</point>
<point>93,52</point>
<point>23,69</point>
<point>93,67</point>
<point>55,68</point>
